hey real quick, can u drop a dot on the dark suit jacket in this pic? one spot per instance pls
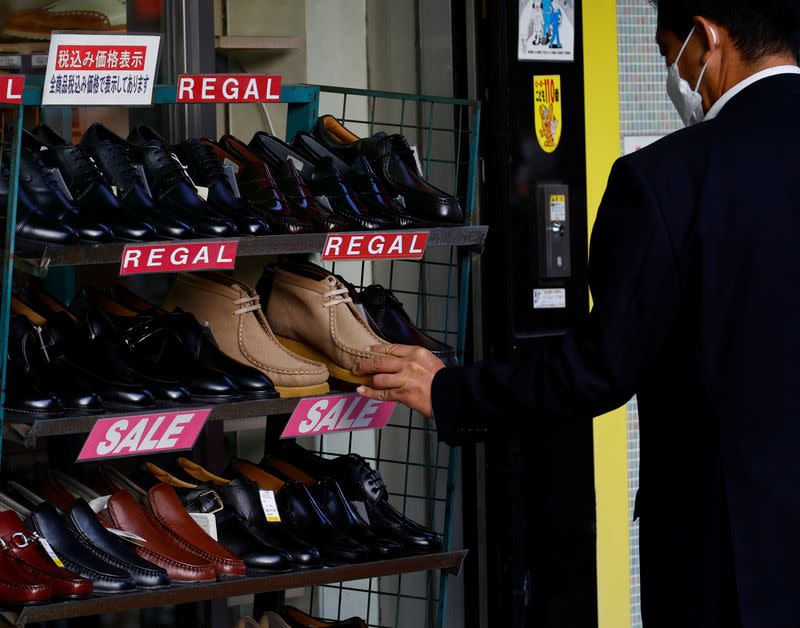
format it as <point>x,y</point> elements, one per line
<point>695,274</point>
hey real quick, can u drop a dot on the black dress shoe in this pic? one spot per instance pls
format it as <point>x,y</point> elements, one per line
<point>90,192</point>
<point>199,341</point>
<point>110,548</point>
<point>104,345</point>
<point>391,322</point>
<point>329,496</point>
<point>242,497</point>
<point>259,557</point>
<point>33,226</point>
<point>39,183</point>
<point>77,554</point>
<point>306,519</point>
<point>362,180</point>
<point>324,179</point>
<point>205,169</point>
<point>361,483</point>
<point>112,154</point>
<point>82,350</point>
<point>31,347</point>
<point>161,350</point>
<point>393,162</point>
<point>171,187</point>
<point>258,187</point>
<point>23,395</point>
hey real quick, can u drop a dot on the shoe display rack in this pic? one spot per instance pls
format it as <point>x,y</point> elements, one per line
<point>420,473</point>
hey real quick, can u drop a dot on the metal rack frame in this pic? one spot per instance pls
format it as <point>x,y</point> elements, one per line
<point>303,108</point>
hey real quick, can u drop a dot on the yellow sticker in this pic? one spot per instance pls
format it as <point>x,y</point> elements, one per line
<point>49,550</point>
<point>547,111</point>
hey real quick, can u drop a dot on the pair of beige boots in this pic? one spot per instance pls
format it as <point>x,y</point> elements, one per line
<point>311,329</point>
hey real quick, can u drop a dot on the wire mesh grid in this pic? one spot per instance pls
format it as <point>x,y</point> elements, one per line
<point>419,472</point>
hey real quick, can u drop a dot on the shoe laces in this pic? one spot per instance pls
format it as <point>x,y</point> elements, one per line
<point>170,168</point>
<point>337,296</point>
<point>248,303</point>
<point>208,163</point>
<point>122,164</point>
<point>87,170</point>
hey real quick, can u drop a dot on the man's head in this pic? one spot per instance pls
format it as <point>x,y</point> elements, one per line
<point>735,38</point>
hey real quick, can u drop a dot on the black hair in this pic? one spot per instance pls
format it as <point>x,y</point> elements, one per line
<point>758,27</point>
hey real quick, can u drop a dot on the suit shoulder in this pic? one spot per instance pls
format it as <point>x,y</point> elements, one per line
<point>674,150</point>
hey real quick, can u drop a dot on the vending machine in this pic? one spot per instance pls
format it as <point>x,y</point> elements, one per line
<point>533,501</point>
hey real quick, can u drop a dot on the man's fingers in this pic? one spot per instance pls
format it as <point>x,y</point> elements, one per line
<point>400,351</point>
<point>378,364</point>
<point>391,380</point>
<point>379,395</point>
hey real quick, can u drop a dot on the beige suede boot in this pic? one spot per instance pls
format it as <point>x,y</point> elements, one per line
<point>233,312</point>
<point>313,315</point>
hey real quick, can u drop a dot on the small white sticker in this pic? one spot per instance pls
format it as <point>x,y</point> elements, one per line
<point>416,158</point>
<point>202,191</point>
<point>234,166</point>
<point>401,199</point>
<point>296,163</point>
<point>551,299</point>
<point>270,506</point>
<point>361,509</point>
<point>143,177</point>
<point>558,207</point>
<point>99,504</point>
<point>129,536</point>
<point>206,521</point>
<point>39,60</point>
<point>323,200</point>
<point>49,551</point>
<point>230,174</point>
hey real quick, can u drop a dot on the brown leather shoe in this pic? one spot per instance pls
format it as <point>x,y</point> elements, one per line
<point>71,15</point>
<point>295,618</point>
<point>167,508</point>
<point>183,567</point>
<point>234,314</point>
<point>313,314</point>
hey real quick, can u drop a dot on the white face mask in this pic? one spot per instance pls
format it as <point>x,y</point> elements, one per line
<point>687,101</point>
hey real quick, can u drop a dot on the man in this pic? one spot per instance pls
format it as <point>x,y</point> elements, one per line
<point>695,269</point>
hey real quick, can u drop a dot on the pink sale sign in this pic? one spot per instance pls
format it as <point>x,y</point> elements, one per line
<point>337,413</point>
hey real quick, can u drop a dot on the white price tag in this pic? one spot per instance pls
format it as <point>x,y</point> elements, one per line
<point>270,506</point>
<point>206,521</point>
<point>49,551</point>
<point>416,158</point>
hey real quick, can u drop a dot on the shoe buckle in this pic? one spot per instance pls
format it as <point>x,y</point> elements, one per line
<point>15,539</point>
<point>3,544</point>
<point>214,496</point>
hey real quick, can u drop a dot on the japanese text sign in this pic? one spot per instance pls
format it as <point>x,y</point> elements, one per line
<point>229,88</point>
<point>145,434</point>
<point>402,245</point>
<point>337,413</point>
<point>176,257</point>
<point>11,88</point>
<point>98,69</point>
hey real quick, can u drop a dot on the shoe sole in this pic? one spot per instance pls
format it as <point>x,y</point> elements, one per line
<point>303,391</point>
<point>310,353</point>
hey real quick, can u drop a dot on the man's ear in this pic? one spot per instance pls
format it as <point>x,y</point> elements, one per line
<point>710,34</point>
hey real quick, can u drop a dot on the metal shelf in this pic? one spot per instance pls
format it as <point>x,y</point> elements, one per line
<point>27,429</point>
<point>448,561</point>
<point>84,255</point>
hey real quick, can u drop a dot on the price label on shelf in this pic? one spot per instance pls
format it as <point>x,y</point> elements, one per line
<point>11,88</point>
<point>384,245</point>
<point>144,434</point>
<point>229,88</point>
<point>100,69</point>
<point>175,257</point>
<point>337,413</point>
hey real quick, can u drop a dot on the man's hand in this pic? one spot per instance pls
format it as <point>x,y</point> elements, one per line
<point>402,373</point>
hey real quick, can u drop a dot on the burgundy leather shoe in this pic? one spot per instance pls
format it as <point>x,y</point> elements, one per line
<point>23,548</point>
